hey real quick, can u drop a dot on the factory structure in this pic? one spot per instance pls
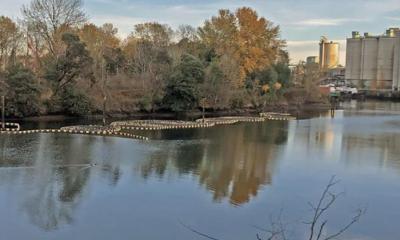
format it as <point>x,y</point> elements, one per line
<point>312,60</point>
<point>373,62</point>
<point>328,54</point>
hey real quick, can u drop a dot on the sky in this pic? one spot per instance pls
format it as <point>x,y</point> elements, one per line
<point>302,22</point>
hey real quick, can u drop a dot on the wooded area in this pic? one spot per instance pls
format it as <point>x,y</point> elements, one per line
<point>55,61</point>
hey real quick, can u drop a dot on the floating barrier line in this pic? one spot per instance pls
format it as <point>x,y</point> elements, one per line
<point>154,125</point>
<point>79,132</point>
<point>114,130</point>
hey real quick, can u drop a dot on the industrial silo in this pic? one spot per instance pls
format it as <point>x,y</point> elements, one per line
<point>329,54</point>
<point>369,62</point>
<point>396,66</point>
<point>386,46</point>
<point>353,61</point>
<point>379,58</point>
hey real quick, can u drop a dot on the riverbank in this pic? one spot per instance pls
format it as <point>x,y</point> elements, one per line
<point>96,118</point>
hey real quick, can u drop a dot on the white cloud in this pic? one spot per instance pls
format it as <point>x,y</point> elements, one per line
<point>393,18</point>
<point>317,22</point>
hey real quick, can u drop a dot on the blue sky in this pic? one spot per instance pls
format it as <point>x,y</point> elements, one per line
<point>302,21</point>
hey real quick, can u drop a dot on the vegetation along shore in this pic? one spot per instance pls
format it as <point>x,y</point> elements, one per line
<point>67,65</point>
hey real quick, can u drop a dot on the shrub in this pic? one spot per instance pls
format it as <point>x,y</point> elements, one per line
<point>23,92</point>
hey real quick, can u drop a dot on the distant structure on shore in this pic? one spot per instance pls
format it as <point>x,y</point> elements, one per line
<point>328,54</point>
<point>312,60</point>
<point>373,62</point>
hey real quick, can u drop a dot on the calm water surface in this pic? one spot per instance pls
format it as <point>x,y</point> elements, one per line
<point>223,181</point>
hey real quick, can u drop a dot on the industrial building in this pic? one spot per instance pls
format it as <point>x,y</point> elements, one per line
<point>373,62</point>
<point>312,60</point>
<point>328,54</point>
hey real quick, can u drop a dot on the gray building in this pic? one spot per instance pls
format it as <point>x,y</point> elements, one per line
<point>373,62</point>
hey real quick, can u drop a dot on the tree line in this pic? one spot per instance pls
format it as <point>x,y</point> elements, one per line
<point>54,60</point>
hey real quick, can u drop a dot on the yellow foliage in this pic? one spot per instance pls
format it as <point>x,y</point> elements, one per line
<point>251,40</point>
<point>97,39</point>
<point>277,86</point>
<point>265,88</point>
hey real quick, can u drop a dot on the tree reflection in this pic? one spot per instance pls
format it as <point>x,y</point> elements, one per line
<point>53,170</point>
<point>231,161</point>
<point>58,180</point>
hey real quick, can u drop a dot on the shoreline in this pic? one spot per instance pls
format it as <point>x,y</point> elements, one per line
<point>188,115</point>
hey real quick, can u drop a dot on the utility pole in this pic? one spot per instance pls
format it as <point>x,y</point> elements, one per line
<point>203,103</point>
<point>104,92</point>
<point>3,121</point>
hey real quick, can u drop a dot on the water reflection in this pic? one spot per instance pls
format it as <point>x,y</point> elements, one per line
<point>59,187</point>
<point>55,173</point>
<point>232,162</point>
<point>355,139</point>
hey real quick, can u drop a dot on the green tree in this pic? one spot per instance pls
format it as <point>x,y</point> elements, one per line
<point>213,87</point>
<point>23,96</point>
<point>182,92</point>
<point>74,63</point>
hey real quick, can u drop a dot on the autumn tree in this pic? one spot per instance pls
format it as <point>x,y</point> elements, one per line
<point>251,40</point>
<point>9,39</point>
<point>148,61</point>
<point>99,40</point>
<point>239,54</point>
<point>258,41</point>
<point>146,47</point>
<point>158,34</point>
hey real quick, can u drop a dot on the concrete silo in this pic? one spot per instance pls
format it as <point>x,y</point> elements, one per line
<point>328,54</point>
<point>396,66</point>
<point>385,62</point>
<point>369,62</point>
<point>353,60</point>
<point>374,62</point>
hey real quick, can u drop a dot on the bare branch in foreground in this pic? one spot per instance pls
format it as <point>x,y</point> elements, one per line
<point>278,229</point>
<point>317,224</point>
<point>328,198</point>
<point>197,232</point>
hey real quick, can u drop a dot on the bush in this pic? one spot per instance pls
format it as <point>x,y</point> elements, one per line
<point>238,100</point>
<point>23,94</point>
<point>75,103</point>
<point>146,103</point>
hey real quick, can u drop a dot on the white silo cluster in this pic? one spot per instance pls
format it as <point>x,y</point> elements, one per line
<point>373,62</point>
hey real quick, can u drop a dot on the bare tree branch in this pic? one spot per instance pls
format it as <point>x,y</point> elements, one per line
<point>355,219</point>
<point>48,18</point>
<point>328,198</point>
<point>197,232</point>
<point>321,229</point>
<point>320,209</point>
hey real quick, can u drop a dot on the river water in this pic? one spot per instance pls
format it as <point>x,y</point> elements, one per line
<point>226,181</point>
